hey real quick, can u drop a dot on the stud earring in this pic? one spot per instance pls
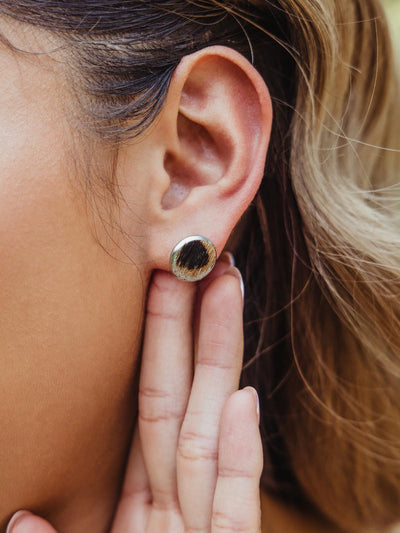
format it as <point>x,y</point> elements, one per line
<point>193,258</point>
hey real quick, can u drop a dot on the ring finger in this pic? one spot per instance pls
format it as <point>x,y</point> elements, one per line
<point>218,366</point>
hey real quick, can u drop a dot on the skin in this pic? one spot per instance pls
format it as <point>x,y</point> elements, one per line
<point>73,303</point>
<point>70,312</point>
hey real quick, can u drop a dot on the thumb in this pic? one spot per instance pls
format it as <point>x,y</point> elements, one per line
<point>26,522</point>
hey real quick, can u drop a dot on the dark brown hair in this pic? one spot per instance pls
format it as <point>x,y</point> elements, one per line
<point>319,246</point>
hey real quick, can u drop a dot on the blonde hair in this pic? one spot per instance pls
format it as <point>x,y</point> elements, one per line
<point>319,247</point>
<point>343,438</point>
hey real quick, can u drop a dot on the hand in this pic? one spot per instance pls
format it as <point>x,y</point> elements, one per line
<point>196,455</point>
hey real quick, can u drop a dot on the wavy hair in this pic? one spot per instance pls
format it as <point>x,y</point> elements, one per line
<point>319,246</point>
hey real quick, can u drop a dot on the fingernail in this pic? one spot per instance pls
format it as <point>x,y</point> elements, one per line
<point>16,519</point>
<point>233,271</point>
<point>227,257</point>
<point>256,401</point>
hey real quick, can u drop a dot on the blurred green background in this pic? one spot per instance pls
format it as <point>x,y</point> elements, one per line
<point>393,9</point>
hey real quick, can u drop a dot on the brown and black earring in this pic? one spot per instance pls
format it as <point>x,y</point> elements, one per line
<point>193,258</point>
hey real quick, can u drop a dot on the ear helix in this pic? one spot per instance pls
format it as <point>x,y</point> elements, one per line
<point>193,258</point>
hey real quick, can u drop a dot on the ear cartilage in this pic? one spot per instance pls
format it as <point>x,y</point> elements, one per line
<point>193,258</point>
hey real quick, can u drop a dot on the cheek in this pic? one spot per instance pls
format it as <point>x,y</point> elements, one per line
<point>70,321</point>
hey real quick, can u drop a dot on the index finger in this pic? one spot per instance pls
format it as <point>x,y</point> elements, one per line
<point>165,380</point>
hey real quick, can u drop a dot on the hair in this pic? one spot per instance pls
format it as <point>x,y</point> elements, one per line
<point>319,246</point>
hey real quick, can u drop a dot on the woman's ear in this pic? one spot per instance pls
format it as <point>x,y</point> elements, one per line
<point>203,159</point>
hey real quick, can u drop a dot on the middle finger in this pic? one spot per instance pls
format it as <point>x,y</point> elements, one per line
<point>218,367</point>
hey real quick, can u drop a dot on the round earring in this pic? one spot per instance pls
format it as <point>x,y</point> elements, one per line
<point>193,258</point>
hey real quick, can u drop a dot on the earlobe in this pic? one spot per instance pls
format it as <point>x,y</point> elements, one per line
<point>215,126</point>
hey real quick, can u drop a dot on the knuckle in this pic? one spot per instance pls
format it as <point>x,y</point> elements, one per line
<point>225,522</point>
<point>140,495</point>
<point>235,473</point>
<point>154,393</point>
<point>157,405</point>
<point>150,417</point>
<point>195,446</point>
<point>218,346</point>
<point>165,501</point>
<point>215,362</point>
<point>160,307</point>
<point>163,313</point>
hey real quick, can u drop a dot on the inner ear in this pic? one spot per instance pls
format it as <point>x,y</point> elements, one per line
<point>216,127</point>
<point>197,163</point>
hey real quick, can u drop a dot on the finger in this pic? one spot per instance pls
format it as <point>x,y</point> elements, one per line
<point>133,509</point>
<point>166,376</point>
<point>135,501</point>
<point>25,522</point>
<point>225,261</point>
<point>237,496</point>
<point>219,361</point>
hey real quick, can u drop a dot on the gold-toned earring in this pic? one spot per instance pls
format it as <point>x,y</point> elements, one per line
<point>193,258</point>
